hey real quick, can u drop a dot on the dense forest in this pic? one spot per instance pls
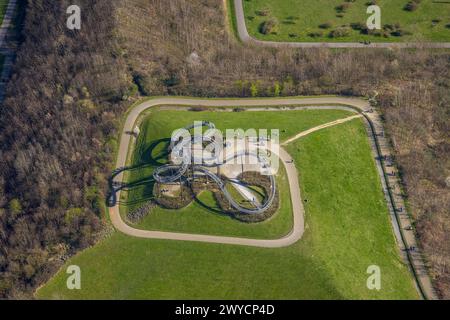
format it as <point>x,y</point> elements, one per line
<point>57,131</point>
<point>59,123</point>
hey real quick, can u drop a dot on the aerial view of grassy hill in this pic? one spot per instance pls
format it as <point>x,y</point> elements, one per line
<point>64,130</point>
<point>328,263</point>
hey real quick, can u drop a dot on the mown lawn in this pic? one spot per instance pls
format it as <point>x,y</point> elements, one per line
<point>150,152</point>
<point>347,230</point>
<point>298,19</point>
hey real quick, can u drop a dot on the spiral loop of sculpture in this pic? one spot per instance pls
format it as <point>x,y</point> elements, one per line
<point>191,166</point>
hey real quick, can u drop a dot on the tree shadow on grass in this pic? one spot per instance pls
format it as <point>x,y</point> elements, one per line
<point>147,160</point>
<point>149,157</point>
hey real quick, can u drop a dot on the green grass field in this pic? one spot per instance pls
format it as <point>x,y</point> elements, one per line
<point>149,153</point>
<point>298,19</point>
<point>347,230</point>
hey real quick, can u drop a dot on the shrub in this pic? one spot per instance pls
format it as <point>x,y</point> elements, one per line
<point>316,34</point>
<point>138,214</point>
<point>263,12</point>
<point>185,197</point>
<point>339,32</point>
<point>326,25</point>
<point>343,7</point>
<point>412,5</point>
<point>268,26</point>
<point>395,30</point>
<point>358,26</point>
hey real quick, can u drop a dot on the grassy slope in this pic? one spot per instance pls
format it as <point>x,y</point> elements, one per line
<point>347,230</point>
<point>195,218</point>
<point>311,14</point>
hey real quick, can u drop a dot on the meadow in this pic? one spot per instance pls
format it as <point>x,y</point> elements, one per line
<point>318,20</point>
<point>347,230</point>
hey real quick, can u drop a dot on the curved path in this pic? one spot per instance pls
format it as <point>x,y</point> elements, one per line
<point>380,148</point>
<point>245,37</point>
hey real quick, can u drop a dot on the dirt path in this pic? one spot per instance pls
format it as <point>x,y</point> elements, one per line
<point>323,126</point>
<point>244,36</point>
<point>380,150</point>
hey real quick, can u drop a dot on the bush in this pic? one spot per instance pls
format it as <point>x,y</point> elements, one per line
<point>182,200</point>
<point>358,26</point>
<point>412,5</point>
<point>342,8</point>
<point>395,30</point>
<point>315,34</point>
<point>268,26</point>
<point>326,25</point>
<point>138,214</point>
<point>339,32</point>
<point>263,12</point>
<point>146,85</point>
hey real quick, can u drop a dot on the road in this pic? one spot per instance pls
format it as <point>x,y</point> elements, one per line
<point>244,36</point>
<point>380,149</point>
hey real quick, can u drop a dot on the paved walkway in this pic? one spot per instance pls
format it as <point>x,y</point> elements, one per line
<point>245,37</point>
<point>380,149</point>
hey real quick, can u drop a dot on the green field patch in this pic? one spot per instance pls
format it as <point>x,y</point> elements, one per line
<point>347,230</point>
<point>203,216</point>
<point>340,21</point>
